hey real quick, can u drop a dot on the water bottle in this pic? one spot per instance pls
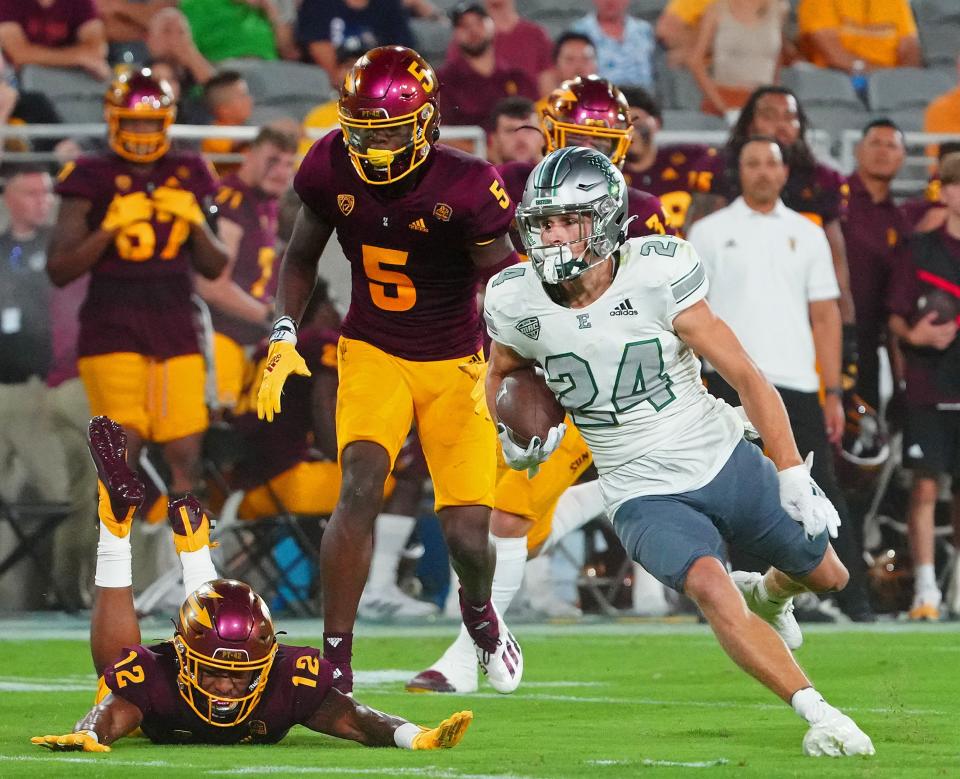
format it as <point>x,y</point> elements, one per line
<point>858,77</point>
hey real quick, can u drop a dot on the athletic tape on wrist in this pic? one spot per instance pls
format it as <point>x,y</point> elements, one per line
<point>284,329</point>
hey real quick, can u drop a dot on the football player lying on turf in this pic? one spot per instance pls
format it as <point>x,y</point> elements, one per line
<point>223,678</point>
<point>676,474</point>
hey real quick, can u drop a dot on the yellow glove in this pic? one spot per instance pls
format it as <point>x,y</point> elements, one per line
<point>447,734</point>
<point>178,202</point>
<point>124,210</point>
<point>478,372</point>
<point>71,742</point>
<point>282,360</point>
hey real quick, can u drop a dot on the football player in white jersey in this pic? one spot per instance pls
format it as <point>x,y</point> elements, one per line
<point>615,325</point>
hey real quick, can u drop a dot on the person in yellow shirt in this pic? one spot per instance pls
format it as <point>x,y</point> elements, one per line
<point>677,27</point>
<point>943,113</point>
<point>857,36</point>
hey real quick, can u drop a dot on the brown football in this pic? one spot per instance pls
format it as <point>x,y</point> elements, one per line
<point>527,406</point>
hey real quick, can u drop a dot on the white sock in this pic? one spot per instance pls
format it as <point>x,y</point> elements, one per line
<point>925,579</point>
<point>764,593</point>
<point>508,575</point>
<point>389,538</point>
<point>810,705</point>
<point>577,506</point>
<point>114,560</point>
<point>460,656</point>
<point>198,569</point>
<point>451,606</point>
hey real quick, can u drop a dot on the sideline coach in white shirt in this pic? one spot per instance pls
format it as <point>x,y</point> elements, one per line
<point>772,280</point>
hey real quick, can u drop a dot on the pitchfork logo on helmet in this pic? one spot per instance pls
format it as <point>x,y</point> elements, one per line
<point>588,111</point>
<point>224,627</point>
<point>573,181</point>
<point>388,113</point>
<point>139,109</point>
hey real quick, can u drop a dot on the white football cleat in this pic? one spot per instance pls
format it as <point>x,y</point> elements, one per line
<point>455,671</point>
<point>392,603</point>
<point>778,615</point>
<point>502,663</point>
<point>836,736</point>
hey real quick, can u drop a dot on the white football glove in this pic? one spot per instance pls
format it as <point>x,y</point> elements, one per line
<point>802,498</point>
<point>529,458</point>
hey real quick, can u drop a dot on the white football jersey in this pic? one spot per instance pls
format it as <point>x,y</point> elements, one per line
<point>631,386</point>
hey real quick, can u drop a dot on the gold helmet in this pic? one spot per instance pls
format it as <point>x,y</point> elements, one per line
<point>138,95</point>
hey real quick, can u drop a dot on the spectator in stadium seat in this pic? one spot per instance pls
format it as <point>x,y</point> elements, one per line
<point>737,48</point>
<point>125,24</point>
<point>516,135</point>
<point>856,36</point>
<point>237,28</point>
<point>573,55</point>
<point>676,28</point>
<point>875,231</point>
<point>169,38</point>
<point>517,43</point>
<point>323,26</point>
<point>943,113</point>
<point>54,33</point>
<point>474,82</point>
<point>931,444</point>
<point>772,281</point>
<point>625,45</point>
<point>228,102</point>
<point>43,408</point>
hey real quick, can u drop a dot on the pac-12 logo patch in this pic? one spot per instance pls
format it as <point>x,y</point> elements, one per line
<point>530,327</point>
<point>346,203</point>
<point>443,212</point>
<point>122,183</point>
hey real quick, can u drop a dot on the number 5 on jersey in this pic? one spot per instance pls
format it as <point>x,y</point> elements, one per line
<point>389,289</point>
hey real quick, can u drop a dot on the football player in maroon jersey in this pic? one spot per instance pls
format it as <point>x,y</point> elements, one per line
<point>419,223</point>
<point>135,218</point>
<point>223,678</point>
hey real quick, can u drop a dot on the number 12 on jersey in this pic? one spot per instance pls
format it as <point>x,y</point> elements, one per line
<point>640,378</point>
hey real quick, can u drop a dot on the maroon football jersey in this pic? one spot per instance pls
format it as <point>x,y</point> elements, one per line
<point>651,218</point>
<point>669,178</point>
<point>413,281</point>
<point>270,448</point>
<point>55,25</point>
<point>139,295</point>
<point>147,677</point>
<point>254,271</point>
<point>814,193</point>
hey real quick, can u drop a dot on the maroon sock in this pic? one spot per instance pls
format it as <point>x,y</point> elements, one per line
<point>481,623</point>
<point>338,651</point>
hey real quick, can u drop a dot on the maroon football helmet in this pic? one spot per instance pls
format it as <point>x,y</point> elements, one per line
<point>388,112</point>
<point>224,627</point>
<point>589,108</point>
<point>137,95</point>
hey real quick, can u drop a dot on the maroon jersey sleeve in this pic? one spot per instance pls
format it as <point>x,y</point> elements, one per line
<point>139,678</point>
<point>304,678</point>
<point>709,174</point>
<point>514,176</point>
<point>651,219</point>
<point>314,175</point>
<point>832,187</point>
<point>488,208</point>
<point>903,289</point>
<point>78,179</point>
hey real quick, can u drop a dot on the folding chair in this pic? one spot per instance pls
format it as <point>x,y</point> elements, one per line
<point>32,524</point>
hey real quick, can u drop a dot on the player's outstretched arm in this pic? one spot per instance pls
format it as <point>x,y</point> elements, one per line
<point>109,720</point>
<point>298,269</point>
<point>341,716</point>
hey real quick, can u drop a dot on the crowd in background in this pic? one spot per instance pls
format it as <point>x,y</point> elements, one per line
<point>887,355</point>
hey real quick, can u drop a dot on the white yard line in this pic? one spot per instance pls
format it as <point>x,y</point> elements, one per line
<point>661,763</point>
<point>427,771</point>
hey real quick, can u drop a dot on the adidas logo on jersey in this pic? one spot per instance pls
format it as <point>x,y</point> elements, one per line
<point>625,309</point>
<point>419,225</point>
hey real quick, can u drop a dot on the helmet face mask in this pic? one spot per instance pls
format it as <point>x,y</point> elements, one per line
<point>584,186</point>
<point>224,630</point>
<point>139,110</point>
<point>588,111</point>
<point>388,113</point>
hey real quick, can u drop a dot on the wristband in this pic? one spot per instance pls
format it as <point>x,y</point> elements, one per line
<point>838,391</point>
<point>284,329</point>
<point>404,735</point>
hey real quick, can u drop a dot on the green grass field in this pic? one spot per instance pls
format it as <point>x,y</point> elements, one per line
<point>597,700</point>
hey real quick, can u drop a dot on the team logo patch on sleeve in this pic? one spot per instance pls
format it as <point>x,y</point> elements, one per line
<point>530,327</point>
<point>443,212</point>
<point>345,203</point>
